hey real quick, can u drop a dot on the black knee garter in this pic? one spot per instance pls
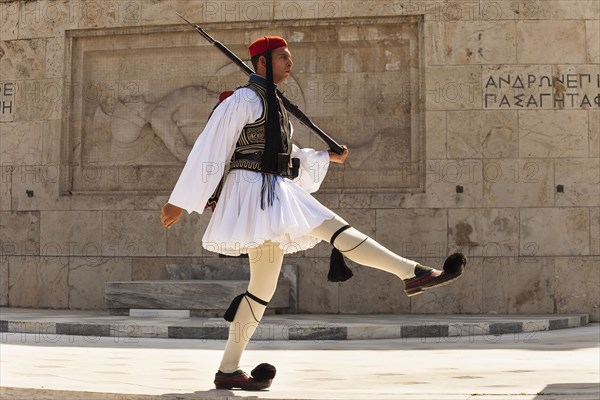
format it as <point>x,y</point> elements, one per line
<point>235,303</point>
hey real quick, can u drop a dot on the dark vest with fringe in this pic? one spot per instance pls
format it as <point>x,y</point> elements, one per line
<point>250,147</point>
<point>251,143</point>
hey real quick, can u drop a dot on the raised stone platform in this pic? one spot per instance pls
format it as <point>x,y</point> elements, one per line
<point>319,327</point>
<point>201,298</point>
<point>197,291</point>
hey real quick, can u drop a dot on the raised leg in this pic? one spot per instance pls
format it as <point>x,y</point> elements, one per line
<point>364,250</point>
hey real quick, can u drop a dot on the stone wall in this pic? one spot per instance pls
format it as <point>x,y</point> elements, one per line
<point>492,104</point>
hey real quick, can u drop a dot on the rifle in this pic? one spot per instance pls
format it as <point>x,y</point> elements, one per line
<point>291,107</point>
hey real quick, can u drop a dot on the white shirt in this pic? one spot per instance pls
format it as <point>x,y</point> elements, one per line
<point>238,221</point>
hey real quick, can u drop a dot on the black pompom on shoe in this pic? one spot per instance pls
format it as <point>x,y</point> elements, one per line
<point>427,278</point>
<point>261,378</point>
<point>263,372</point>
<point>455,263</point>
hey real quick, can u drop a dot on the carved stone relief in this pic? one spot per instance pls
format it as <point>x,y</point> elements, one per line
<point>139,97</point>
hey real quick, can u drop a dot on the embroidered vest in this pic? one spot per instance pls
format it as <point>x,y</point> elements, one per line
<point>251,145</point>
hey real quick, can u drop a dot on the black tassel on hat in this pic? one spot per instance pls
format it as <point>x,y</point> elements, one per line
<point>338,270</point>
<point>273,140</point>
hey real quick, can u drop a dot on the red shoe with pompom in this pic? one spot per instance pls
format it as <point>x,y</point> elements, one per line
<point>427,278</point>
<point>262,377</point>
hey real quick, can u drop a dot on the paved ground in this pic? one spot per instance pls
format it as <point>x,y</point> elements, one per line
<point>562,364</point>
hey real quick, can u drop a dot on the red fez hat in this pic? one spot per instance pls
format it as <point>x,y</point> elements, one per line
<point>225,95</point>
<point>265,43</point>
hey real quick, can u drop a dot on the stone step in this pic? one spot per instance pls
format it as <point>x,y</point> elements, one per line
<point>208,272</point>
<point>202,298</point>
<point>221,272</point>
<point>456,328</point>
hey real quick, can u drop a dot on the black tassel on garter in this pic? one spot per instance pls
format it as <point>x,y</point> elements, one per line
<point>338,270</point>
<point>233,307</point>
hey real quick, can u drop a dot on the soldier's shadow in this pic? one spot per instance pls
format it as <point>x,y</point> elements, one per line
<point>214,393</point>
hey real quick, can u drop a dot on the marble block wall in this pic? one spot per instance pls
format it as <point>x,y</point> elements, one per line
<point>492,109</point>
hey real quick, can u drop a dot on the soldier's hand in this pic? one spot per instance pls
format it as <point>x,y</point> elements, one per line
<point>170,214</point>
<point>338,158</point>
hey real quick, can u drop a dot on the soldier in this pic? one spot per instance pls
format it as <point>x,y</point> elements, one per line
<point>264,207</point>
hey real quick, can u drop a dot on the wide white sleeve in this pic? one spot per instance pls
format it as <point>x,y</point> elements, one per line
<point>313,167</point>
<point>213,149</point>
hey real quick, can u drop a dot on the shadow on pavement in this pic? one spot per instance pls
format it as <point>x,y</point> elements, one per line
<point>570,391</point>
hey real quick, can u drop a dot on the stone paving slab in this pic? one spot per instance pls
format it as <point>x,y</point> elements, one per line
<point>282,327</point>
<point>550,365</point>
<point>42,394</point>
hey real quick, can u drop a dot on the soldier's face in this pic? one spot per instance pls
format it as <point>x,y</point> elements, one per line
<point>282,64</point>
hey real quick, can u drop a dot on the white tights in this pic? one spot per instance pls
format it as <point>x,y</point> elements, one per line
<point>368,252</point>
<point>265,265</point>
